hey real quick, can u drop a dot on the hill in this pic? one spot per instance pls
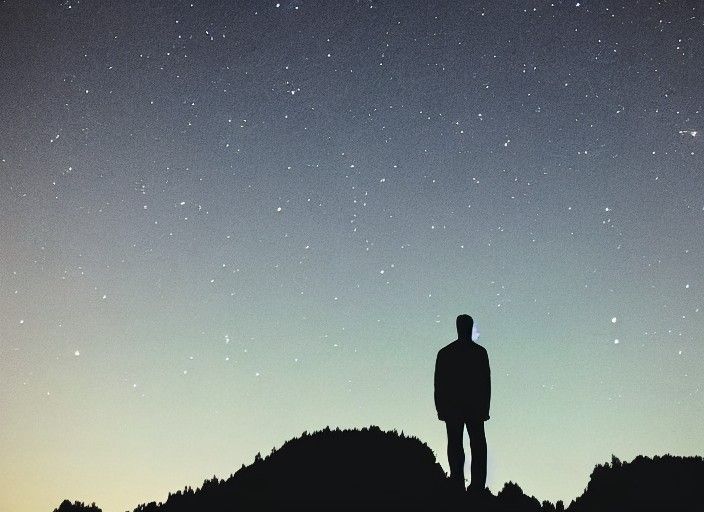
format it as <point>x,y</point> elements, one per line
<point>664,483</point>
<point>370,469</point>
<point>331,469</point>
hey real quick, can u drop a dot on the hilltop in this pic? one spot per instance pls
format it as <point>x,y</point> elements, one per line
<point>370,469</point>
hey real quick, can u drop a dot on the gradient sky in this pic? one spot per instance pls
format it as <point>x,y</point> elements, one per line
<point>225,223</point>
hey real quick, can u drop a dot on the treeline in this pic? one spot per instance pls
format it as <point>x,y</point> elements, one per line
<point>329,469</point>
<point>370,469</point>
<point>666,483</point>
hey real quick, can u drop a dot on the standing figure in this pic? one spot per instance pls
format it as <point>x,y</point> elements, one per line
<point>462,396</point>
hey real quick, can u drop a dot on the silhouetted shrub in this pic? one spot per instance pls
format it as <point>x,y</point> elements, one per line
<point>76,506</point>
<point>512,498</point>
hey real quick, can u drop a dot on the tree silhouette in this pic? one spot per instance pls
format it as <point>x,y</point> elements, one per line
<point>661,483</point>
<point>76,506</point>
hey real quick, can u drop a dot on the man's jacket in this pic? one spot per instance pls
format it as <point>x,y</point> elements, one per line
<point>462,382</point>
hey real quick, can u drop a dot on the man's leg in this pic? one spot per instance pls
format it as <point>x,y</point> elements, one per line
<point>477,443</point>
<point>455,452</point>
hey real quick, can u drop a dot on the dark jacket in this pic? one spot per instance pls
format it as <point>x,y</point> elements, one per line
<point>462,382</point>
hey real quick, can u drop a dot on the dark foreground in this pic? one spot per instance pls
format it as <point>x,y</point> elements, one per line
<point>370,469</point>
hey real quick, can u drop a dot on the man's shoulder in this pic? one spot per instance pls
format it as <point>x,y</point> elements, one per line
<point>450,347</point>
<point>478,347</point>
<point>459,345</point>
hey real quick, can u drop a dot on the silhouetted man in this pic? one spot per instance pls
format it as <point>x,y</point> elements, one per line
<point>462,396</point>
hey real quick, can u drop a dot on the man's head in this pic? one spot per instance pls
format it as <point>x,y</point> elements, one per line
<point>464,327</point>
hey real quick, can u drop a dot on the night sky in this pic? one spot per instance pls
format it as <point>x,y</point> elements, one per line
<point>225,223</point>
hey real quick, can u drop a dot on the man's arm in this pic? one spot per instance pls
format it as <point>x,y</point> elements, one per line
<point>488,386</point>
<point>439,391</point>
